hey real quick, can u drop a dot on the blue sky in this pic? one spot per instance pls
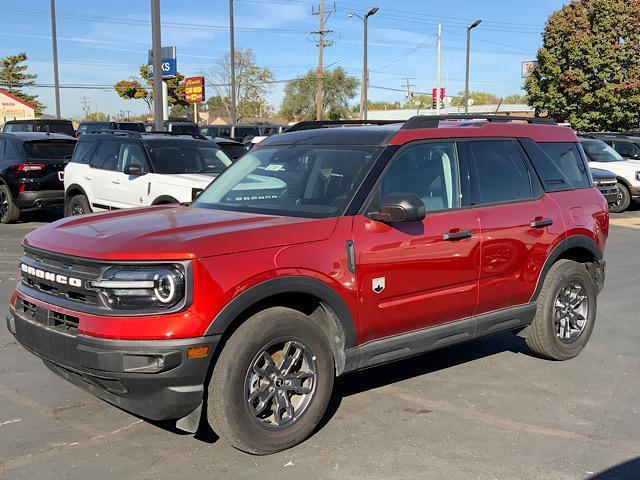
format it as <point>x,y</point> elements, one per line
<point>101,42</point>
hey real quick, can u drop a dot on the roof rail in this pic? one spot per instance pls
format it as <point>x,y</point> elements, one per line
<point>197,136</point>
<point>314,124</point>
<point>432,121</point>
<point>119,133</point>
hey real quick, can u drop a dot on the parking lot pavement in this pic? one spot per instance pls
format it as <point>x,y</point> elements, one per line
<point>483,410</point>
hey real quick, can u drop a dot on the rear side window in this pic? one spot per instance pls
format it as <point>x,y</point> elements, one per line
<point>565,167</point>
<point>49,149</point>
<point>83,152</point>
<point>626,148</point>
<point>18,127</point>
<point>130,154</point>
<point>496,173</point>
<point>106,157</point>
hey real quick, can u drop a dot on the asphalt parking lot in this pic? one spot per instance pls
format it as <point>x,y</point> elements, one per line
<point>483,410</point>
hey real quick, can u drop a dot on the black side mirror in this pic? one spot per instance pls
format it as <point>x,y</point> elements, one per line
<point>134,170</point>
<point>399,207</point>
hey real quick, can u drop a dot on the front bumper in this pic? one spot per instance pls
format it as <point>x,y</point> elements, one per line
<point>39,198</point>
<point>153,378</point>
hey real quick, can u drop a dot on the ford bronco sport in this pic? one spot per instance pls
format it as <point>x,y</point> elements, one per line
<point>387,241</point>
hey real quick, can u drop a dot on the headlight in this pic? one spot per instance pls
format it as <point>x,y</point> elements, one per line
<point>133,288</point>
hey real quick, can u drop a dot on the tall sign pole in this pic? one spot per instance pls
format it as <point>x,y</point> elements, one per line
<point>438,84</point>
<point>54,42</point>
<point>156,45</point>
<point>234,114</point>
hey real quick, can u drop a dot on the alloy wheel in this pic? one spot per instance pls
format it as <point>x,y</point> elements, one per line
<point>280,383</point>
<point>570,311</point>
<point>4,204</point>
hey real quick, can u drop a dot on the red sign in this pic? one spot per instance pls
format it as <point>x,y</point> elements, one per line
<point>194,89</point>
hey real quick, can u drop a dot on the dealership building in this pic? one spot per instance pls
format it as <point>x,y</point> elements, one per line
<point>14,108</point>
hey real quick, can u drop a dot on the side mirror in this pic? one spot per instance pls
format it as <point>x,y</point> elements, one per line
<point>134,170</point>
<point>399,207</point>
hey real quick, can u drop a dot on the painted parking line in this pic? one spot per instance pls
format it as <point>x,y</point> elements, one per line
<point>625,222</point>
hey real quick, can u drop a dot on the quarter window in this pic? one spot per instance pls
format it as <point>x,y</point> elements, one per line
<point>82,152</point>
<point>497,173</point>
<point>429,171</point>
<point>568,164</point>
<point>106,156</point>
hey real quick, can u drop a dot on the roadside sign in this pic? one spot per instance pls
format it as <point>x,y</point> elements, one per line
<point>169,62</point>
<point>528,68</point>
<point>194,89</point>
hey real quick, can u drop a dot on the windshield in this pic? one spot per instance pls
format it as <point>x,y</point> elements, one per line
<point>295,180</point>
<point>233,150</point>
<point>598,151</point>
<point>188,159</point>
<point>49,149</point>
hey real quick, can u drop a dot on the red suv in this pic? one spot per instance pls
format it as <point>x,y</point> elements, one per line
<point>381,242</point>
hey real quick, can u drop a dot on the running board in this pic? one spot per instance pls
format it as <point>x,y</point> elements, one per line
<point>413,343</point>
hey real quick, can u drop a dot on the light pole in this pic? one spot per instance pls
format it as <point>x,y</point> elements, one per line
<point>364,103</point>
<point>232,58</point>
<point>54,42</point>
<point>466,82</point>
<point>156,46</point>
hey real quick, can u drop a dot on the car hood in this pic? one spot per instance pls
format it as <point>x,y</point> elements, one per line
<point>625,168</point>
<point>191,180</point>
<point>173,233</point>
<point>601,174</point>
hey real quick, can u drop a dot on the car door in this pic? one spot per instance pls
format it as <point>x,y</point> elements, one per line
<point>419,274</point>
<point>126,190</point>
<point>519,223</point>
<point>102,175</point>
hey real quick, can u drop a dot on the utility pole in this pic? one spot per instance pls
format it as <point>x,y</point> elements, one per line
<point>466,82</point>
<point>156,45</point>
<point>407,86</point>
<point>86,107</point>
<point>234,114</point>
<point>321,44</point>
<point>54,43</point>
<point>438,70</point>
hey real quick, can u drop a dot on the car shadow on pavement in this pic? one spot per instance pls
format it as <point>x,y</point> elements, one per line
<point>358,382</point>
<point>629,470</point>
<point>42,215</point>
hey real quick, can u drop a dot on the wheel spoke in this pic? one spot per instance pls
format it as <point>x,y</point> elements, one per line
<point>264,397</point>
<point>290,356</point>
<point>282,405</point>
<point>296,382</point>
<point>264,366</point>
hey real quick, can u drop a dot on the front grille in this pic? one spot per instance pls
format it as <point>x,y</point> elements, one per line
<point>58,267</point>
<point>49,318</point>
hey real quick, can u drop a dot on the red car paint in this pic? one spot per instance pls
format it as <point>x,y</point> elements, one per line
<point>429,281</point>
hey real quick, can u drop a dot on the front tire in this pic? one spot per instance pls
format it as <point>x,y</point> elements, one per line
<point>78,205</point>
<point>566,312</point>
<point>9,213</point>
<point>624,200</point>
<point>272,382</point>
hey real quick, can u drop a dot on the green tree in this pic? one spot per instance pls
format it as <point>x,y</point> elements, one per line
<point>14,77</point>
<point>479,98</point>
<point>253,83</point>
<point>588,71</point>
<point>299,101</point>
<point>515,98</point>
<point>381,106</point>
<point>140,88</point>
<point>98,117</point>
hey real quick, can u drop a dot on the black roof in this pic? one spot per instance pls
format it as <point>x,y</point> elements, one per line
<point>40,120</point>
<point>155,137</point>
<point>35,136</point>
<point>336,135</point>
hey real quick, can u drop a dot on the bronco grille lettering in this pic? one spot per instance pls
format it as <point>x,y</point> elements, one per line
<point>52,277</point>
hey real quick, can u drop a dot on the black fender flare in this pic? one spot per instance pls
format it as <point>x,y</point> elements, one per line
<point>288,284</point>
<point>74,186</point>
<point>164,199</point>
<point>574,241</point>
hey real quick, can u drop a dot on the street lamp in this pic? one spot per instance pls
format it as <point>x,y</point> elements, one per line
<point>466,82</point>
<point>365,72</point>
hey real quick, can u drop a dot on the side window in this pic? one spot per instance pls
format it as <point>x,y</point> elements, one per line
<point>497,173</point>
<point>83,152</point>
<point>428,170</point>
<point>2,147</point>
<point>567,159</point>
<point>106,157</point>
<point>626,149</point>
<point>130,154</point>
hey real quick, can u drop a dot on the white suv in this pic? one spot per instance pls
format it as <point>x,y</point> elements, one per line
<point>114,170</point>
<point>601,155</point>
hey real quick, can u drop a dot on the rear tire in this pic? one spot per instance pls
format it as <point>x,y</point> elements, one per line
<point>78,205</point>
<point>563,322</point>
<point>250,382</point>
<point>9,213</point>
<point>624,200</point>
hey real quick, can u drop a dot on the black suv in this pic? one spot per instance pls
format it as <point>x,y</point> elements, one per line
<point>90,127</point>
<point>40,125</point>
<point>31,171</point>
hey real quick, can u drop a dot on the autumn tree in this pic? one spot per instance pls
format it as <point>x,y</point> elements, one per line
<point>253,83</point>
<point>140,88</point>
<point>588,71</point>
<point>299,101</point>
<point>14,77</point>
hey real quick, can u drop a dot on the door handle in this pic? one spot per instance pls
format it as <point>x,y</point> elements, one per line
<point>457,235</point>
<point>88,178</point>
<point>117,182</point>
<point>540,222</point>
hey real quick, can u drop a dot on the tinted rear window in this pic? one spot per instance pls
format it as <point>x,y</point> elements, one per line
<point>49,149</point>
<point>132,127</point>
<point>569,167</point>
<point>83,152</point>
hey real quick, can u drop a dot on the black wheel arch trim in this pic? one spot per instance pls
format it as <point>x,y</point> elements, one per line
<point>164,199</point>
<point>283,285</point>
<point>74,186</point>
<point>574,241</point>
